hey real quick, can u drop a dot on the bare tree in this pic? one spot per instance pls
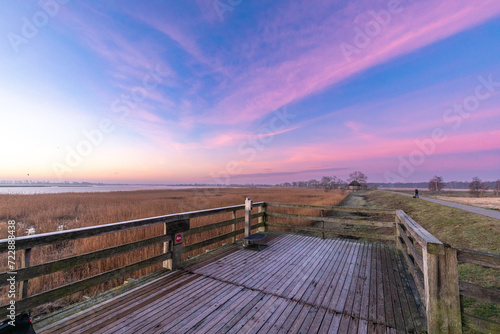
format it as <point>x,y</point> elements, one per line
<point>497,188</point>
<point>360,177</point>
<point>436,183</point>
<point>477,187</point>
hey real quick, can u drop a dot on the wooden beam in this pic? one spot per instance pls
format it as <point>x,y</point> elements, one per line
<point>218,225</point>
<point>364,235</point>
<point>442,295</point>
<point>421,235</point>
<point>329,208</point>
<point>91,231</point>
<point>217,239</point>
<point>55,266</point>
<point>417,278</point>
<point>25,264</point>
<point>333,220</point>
<point>476,291</point>
<point>488,260</point>
<point>411,248</point>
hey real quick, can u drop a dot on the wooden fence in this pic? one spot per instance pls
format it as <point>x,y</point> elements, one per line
<point>433,265</point>
<point>174,224</point>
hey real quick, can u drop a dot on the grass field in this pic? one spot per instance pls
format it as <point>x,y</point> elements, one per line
<point>488,200</point>
<point>460,229</point>
<point>44,213</point>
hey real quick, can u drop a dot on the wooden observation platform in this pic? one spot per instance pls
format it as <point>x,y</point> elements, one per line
<point>348,270</point>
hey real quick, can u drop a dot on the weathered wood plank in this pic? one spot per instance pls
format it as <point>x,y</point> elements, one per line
<point>417,277</point>
<point>225,223</point>
<point>126,308</point>
<point>329,208</point>
<point>334,231</point>
<point>54,266</point>
<point>418,232</point>
<point>216,239</point>
<point>44,297</point>
<point>338,221</point>
<point>476,291</point>
<point>411,248</point>
<point>159,286</point>
<point>488,260</point>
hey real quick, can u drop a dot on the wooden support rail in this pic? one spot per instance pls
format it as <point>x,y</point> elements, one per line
<point>327,208</point>
<point>439,267</point>
<point>468,289</point>
<point>174,224</point>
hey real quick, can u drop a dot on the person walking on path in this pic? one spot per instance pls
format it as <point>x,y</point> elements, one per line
<point>416,194</point>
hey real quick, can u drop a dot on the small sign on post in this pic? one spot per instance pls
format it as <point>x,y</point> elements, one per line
<point>178,238</point>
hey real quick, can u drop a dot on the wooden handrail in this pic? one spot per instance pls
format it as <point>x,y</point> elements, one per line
<point>92,231</point>
<point>487,260</point>
<point>420,234</point>
<point>328,208</point>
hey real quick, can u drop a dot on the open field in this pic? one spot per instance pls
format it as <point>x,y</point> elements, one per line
<point>460,229</point>
<point>482,202</point>
<point>44,213</point>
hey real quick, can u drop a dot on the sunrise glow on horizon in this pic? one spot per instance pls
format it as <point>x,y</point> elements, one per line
<point>249,91</point>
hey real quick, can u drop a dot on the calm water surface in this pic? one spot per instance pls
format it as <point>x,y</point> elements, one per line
<point>87,189</point>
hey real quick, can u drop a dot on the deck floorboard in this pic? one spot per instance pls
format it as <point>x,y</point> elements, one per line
<point>296,284</point>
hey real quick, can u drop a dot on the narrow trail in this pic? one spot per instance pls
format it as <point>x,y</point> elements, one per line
<point>469,208</point>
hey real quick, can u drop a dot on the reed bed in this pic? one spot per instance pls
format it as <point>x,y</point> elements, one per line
<point>42,213</point>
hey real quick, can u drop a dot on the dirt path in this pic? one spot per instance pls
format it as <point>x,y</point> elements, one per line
<point>481,211</point>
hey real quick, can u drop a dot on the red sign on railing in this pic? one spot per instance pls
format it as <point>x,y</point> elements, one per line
<point>178,238</point>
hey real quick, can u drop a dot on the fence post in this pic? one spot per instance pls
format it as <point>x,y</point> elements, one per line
<point>25,263</point>
<point>248,217</point>
<point>322,224</point>
<point>398,236</point>
<point>263,218</point>
<point>234,226</point>
<point>176,231</point>
<point>442,296</point>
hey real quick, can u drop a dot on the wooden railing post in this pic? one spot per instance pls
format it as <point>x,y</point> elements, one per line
<point>248,217</point>
<point>25,263</point>
<point>176,231</point>
<point>322,224</point>
<point>398,235</point>
<point>234,226</point>
<point>263,218</point>
<point>442,295</point>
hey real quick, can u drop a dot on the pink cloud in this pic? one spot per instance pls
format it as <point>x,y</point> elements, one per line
<point>262,88</point>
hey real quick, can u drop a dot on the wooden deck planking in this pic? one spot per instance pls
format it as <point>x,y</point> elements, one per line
<point>297,284</point>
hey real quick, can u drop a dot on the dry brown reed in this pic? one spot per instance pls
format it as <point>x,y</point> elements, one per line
<point>50,212</point>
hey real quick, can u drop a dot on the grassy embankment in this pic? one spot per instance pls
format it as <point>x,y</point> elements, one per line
<point>48,212</point>
<point>487,200</point>
<point>460,229</point>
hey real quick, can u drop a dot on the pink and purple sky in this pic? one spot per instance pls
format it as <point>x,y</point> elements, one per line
<point>240,91</point>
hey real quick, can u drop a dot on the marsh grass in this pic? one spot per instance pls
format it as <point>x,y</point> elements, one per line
<point>50,212</point>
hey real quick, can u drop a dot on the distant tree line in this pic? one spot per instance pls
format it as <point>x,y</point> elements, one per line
<point>477,187</point>
<point>329,182</point>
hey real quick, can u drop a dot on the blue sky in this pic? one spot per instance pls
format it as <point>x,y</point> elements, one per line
<point>240,91</point>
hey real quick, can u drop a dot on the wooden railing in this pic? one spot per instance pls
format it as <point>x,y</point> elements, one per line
<point>336,226</point>
<point>472,290</point>
<point>171,257</point>
<point>433,265</point>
